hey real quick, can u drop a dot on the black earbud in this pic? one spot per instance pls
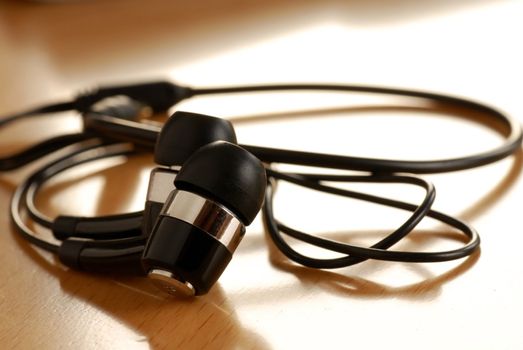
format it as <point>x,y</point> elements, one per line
<point>219,190</point>
<point>182,134</point>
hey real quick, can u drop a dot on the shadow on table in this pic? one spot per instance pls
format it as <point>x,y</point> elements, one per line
<point>345,283</point>
<point>342,282</point>
<point>116,191</point>
<point>163,321</point>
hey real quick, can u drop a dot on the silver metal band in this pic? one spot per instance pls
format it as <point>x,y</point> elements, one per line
<point>161,183</point>
<point>207,215</point>
<point>168,282</point>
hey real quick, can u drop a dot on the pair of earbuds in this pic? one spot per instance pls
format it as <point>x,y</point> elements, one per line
<point>204,192</point>
<point>206,188</point>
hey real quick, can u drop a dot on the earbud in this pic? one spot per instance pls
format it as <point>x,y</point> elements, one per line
<point>182,134</point>
<point>218,191</point>
<point>104,251</point>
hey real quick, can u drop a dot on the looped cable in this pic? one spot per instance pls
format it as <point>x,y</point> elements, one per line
<point>104,127</point>
<point>378,251</point>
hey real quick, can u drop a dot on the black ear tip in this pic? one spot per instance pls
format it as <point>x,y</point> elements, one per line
<point>184,132</point>
<point>228,174</point>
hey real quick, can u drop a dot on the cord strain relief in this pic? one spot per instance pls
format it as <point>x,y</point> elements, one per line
<point>64,227</point>
<point>69,253</point>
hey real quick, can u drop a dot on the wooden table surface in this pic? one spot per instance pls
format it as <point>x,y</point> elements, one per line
<point>50,51</point>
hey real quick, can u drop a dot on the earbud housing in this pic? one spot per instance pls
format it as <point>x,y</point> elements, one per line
<point>219,191</point>
<point>182,134</point>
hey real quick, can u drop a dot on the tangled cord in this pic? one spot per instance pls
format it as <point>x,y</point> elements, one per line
<point>378,251</point>
<point>94,143</point>
<point>93,150</point>
<point>25,194</point>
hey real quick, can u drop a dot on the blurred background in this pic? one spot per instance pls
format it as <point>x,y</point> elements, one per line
<point>393,42</point>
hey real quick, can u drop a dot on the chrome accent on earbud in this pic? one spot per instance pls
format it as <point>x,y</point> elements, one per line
<point>207,215</point>
<point>166,281</point>
<point>161,183</point>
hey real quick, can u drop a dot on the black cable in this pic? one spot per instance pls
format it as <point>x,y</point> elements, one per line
<point>36,181</point>
<point>90,150</point>
<point>40,150</point>
<point>43,148</point>
<point>160,96</point>
<point>512,141</point>
<point>57,107</point>
<point>417,214</point>
<point>17,204</point>
<point>358,254</point>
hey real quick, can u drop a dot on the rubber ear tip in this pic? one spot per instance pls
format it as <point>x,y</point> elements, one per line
<point>227,174</point>
<point>185,132</point>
